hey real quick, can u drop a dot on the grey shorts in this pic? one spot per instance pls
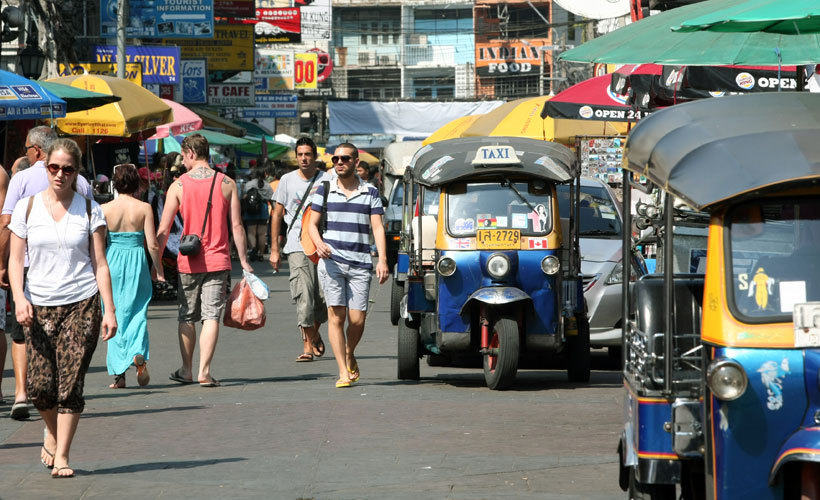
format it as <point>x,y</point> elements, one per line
<point>202,296</point>
<point>344,285</point>
<point>305,290</point>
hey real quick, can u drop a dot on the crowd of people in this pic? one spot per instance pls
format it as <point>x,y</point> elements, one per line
<point>79,271</point>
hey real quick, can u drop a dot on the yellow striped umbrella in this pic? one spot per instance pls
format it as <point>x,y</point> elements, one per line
<point>137,110</point>
<point>451,130</point>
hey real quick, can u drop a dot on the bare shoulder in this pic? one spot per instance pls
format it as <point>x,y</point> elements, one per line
<point>227,181</point>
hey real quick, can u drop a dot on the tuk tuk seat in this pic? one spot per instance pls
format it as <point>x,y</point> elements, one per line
<point>428,238</point>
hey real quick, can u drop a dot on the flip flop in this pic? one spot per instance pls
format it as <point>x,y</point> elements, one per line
<point>142,370</point>
<point>340,384</point>
<point>319,346</point>
<point>42,461</point>
<point>19,410</point>
<point>353,370</point>
<point>176,377</point>
<point>305,357</point>
<point>55,473</point>
<point>117,379</point>
<point>211,383</point>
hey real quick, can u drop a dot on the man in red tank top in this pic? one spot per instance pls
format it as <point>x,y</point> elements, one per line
<point>204,277</point>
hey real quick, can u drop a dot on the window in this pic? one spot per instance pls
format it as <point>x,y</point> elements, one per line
<point>516,86</point>
<point>385,33</point>
<point>374,37</point>
<point>363,40</point>
<point>597,212</point>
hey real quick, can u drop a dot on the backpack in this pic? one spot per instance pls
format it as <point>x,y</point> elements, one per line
<point>252,200</point>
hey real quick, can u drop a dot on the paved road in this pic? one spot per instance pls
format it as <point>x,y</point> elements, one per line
<point>279,429</point>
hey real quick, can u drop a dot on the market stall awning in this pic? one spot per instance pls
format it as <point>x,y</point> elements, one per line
<point>219,139</point>
<point>253,128</point>
<point>24,99</point>
<point>137,110</point>
<point>257,147</point>
<point>185,121</point>
<point>78,99</point>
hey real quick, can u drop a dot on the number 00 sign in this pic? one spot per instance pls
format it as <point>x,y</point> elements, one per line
<point>304,70</point>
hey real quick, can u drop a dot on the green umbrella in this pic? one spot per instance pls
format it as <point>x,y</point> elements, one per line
<point>78,99</point>
<point>651,40</point>
<point>218,138</point>
<point>792,17</point>
<point>254,146</point>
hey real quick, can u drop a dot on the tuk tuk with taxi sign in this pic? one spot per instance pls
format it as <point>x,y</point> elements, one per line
<point>721,364</point>
<point>493,269</point>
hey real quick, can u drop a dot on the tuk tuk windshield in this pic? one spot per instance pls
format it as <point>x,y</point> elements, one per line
<point>498,205</point>
<point>773,257</point>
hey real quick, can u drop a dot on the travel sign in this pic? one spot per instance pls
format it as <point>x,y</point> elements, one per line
<point>160,18</point>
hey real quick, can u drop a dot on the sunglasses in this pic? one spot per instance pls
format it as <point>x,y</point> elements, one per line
<point>342,158</point>
<point>26,148</point>
<point>67,169</point>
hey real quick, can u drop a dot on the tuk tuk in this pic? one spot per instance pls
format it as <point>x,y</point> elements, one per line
<point>722,350</point>
<point>493,270</point>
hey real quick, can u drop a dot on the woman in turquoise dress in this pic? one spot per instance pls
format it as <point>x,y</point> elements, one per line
<point>130,230</point>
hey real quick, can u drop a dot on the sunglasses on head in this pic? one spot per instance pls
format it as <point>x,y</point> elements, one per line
<point>67,169</point>
<point>342,158</point>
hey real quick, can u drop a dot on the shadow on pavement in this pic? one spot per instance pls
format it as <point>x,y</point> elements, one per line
<point>20,445</point>
<point>141,411</point>
<point>188,464</point>
<point>119,393</point>
<point>526,381</point>
<point>289,378</point>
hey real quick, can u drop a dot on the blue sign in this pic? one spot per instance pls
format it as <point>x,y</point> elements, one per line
<point>194,78</point>
<point>273,106</point>
<point>160,63</point>
<point>160,18</point>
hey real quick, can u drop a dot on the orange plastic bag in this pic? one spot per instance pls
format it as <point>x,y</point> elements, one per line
<point>244,310</point>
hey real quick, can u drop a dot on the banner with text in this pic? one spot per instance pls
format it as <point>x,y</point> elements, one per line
<point>133,71</point>
<point>231,48</point>
<point>194,76</point>
<point>160,18</point>
<point>231,94</point>
<point>234,8</point>
<point>159,64</point>
<point>274,70</point>
<point>505,58</point>
<point>305,70</point>
<point>280,105</point>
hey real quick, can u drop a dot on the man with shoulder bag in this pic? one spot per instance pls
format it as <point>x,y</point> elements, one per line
<point>204,198</point>
<point>291,201</point>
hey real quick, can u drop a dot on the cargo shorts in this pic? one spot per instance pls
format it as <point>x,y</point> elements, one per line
<point>305,290</point>
<point>202,296</point>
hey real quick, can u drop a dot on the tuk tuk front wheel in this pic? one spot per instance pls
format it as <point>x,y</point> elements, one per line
<point>396,293</point>
<point>641,491</point>
<point>408,350</point>
<point>578,364</point>
<point>501,366</point>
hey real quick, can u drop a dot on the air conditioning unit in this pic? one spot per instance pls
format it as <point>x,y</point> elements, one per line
<point>418,39</point>
<point>365,58</point>
<point>388,60</point>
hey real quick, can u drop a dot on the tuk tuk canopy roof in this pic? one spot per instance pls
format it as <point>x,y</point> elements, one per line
<point>397,156</point>
<point>710,151</point>
<point>451,160</point>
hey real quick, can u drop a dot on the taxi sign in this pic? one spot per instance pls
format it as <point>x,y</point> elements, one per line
<point>496,155</point>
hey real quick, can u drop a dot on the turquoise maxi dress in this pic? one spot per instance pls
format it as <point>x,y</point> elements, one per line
<point>131,283</point>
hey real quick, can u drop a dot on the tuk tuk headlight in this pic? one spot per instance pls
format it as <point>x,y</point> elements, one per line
<point>726,379</point>
<point>498,265</point>
<point>446,266</point>
<point>550,264</point>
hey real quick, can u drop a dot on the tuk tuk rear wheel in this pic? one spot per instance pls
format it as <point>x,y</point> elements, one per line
<point>500,369</point>
<point>641,491</point>
<point>396,293</point>
<point>408,350</point>
<point>578,364</point>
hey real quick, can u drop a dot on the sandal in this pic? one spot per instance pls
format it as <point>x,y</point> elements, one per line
<point>55,473</point>
<point>304,357</point>
<point>177,377</point>
<point>341,384</point>
<point>43,460</point>
<point>117,380</point>
<point>353,370</point>
<point>318,346</point>
<point>142,370</point>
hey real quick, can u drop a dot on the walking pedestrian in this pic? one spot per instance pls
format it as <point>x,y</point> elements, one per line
<point>205,199</point>
<point>58,303</point>
<point>4,184</point>
<point>291,201</point>
<point>23,184</point>
<point>255,212</point>
<point>130,226</point>
<point>352,208</point>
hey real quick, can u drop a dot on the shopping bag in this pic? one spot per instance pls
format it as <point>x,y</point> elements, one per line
<point>258,287</point>
<point>244,309</point>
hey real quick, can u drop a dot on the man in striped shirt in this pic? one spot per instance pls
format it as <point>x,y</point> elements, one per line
<point>352,208</point>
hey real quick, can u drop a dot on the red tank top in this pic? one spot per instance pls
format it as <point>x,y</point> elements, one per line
<point>215,254</point>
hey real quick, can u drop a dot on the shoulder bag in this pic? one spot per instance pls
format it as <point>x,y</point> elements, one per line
<point>191,244</point>
<point>307,243</point>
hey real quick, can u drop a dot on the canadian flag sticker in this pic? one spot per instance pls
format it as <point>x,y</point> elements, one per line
<point>538,243</point>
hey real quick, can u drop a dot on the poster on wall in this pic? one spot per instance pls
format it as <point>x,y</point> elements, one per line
<point>274,70</point>
<point>194,81</point>
<point>278,26</point>
<point>316,19</point>
<point>234,8</point>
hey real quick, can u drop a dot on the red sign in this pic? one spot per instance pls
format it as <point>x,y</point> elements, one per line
<point>324,65</point>
<point>275,25</point>
<point>166,92</point>
<point>234,8</point>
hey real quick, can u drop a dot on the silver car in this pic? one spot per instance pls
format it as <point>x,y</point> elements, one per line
<point>601,262</point>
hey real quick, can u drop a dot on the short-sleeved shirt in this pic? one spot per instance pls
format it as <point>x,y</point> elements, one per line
<point>33,180</point>
<point>348,222</point>
<point>60,270</point>
<point>289,194</point>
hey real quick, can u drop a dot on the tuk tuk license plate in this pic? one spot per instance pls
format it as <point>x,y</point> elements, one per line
<point>497,239</point>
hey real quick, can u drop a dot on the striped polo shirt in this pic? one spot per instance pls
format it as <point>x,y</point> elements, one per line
<point>348,222</point>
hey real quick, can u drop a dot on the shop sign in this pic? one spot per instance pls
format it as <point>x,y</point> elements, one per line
<point>231,48</point>
<point>160,18</point>
<point>280,105</point>
<point>234,8</point>
<point>194,81</point>
<point>504,58</point>
<point>274,70</point>
<point>316,20</point>
<point>233,94</point>
<point>133,71</point>
<point>159,64</point>
<point>305,70</point>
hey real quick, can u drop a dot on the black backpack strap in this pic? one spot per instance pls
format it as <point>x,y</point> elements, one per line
<point>302,202</point>
<point>88,216</point>
<point>323,217</point>
<point>208,208</point>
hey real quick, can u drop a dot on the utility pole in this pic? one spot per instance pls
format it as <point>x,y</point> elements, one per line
<point>121,17</point>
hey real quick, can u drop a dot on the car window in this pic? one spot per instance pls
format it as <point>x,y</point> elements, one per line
<point>597,211</point>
